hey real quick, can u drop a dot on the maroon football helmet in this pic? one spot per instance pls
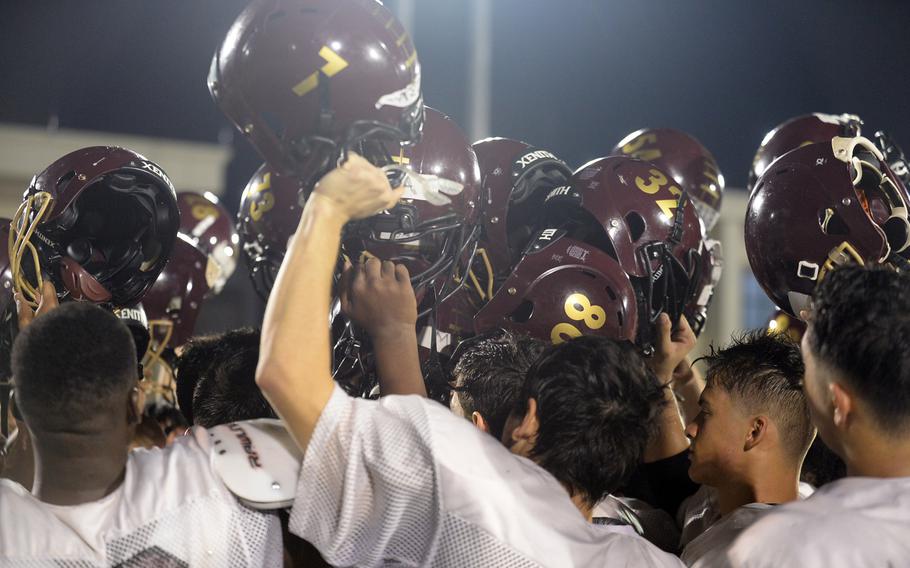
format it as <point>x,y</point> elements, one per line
<point>563,288</point>
<point>305,79</point>
<point>782,322</point>
<point>516,178</point>
<point>102,220</point>
<point>820,206</point>
<point>433,229</point>
<point>6,275</point>
<point>173,303</point>
<point>270,210</point>
<point>635,212</point>
<point>209,225</point>
<point>686,160</point>
<point>797,132</point>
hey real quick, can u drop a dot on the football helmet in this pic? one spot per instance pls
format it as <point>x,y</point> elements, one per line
<point>636,213</point>
<point>270,210</point>
<point>433,229</point>
<point>797,132</point>
<point>686,160</point>
<point>101,221</point>
<point>305,79</point>
<point>819,206</point>
<point>563,288</point>
<point>516,178</point>
<point>209,225</point>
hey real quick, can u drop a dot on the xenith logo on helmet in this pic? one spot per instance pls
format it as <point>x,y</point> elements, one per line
<point>559,192</point>
<point>523,162</point>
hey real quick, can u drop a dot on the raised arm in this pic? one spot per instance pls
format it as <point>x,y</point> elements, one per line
<point>294,370</point>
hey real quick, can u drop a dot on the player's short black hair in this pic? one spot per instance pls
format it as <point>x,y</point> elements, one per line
<point>225,390</point>
<point>71,364</point>
<point>859,322</point>
<point>597,408</point>
<point>490,372</point>
<point>763,373</point>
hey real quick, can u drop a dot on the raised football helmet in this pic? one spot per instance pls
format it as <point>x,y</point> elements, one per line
<point>270,210</point>
<point>563,288</point>
<point>820,206</point>
<point>101,221</point>
<point>797,132</point>
<point>305,79</point>
<point>205,221</point>
<point>516,178</point>
<point>173,303</point>
<point>636,213</point>
<point>433,229</point>
<point>686,160</point>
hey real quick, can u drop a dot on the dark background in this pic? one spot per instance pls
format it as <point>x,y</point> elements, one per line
<point>573,76</point>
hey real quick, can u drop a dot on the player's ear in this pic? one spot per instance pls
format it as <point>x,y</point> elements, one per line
<point>758,432</point>
<point>135,404</point>
<point>527,429</point>
<point>842,401</point>
<point>478,420</point>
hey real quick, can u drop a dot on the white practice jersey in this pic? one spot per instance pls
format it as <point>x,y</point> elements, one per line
<point>700,511</point>
<point>710,547</point>
<point>403,481</point>
<point>857,521</point>
<point>171,510</point>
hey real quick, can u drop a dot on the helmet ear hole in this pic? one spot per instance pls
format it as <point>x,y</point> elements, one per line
<point>523,313</point>
<point>897,230</point>
<point>636,225</point>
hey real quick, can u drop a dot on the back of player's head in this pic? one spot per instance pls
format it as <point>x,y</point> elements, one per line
<point>490,373</point>
<point>73,365</point>
<point>860,321</point>
<point>194,359</point>
<point>762,374</point>
<point>226,389</point>
<point>597,404</point>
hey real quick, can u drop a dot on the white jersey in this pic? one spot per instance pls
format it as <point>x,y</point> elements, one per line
<point>171,510</point>
<point>856,521</point>
<point>698,512</point>
<point>403,481</point>
<point>710,547</point>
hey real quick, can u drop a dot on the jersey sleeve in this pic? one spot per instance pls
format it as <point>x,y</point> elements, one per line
<point>368,490</point>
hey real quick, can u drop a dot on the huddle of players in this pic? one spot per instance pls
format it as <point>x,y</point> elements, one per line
<point>499,249</point>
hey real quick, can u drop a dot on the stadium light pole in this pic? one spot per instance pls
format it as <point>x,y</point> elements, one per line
<point>480,47</point>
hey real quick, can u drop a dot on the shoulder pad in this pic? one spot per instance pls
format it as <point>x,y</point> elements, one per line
<point>258,461</point>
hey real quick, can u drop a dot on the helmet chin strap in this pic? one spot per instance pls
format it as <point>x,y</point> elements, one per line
<point>153,362</point>
<point>27,218</point>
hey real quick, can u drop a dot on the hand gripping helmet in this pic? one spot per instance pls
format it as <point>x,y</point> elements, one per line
<point>270,210</point>
<point>516,178</point>
<point>797,132</point>
<point>820,206</point>
<point>209,225</point>
<point>563,288</point>
<point>686,160</point>
<point>304,79</point>
<point>433,229</point>
<point>101,221</point>
<point>635,212</point>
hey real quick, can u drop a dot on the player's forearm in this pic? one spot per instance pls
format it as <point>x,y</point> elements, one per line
<point>671,435</point>
<point>688,388</point>
<point>294,368</point>
<point>398,364</point>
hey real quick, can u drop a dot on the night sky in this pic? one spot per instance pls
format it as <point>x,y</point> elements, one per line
<point>569,75</point>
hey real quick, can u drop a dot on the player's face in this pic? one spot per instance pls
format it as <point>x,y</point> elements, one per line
<point>815,386</point>
<point>717,435</point>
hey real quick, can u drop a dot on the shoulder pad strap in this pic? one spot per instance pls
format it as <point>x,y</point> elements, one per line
<point>258,461</point>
